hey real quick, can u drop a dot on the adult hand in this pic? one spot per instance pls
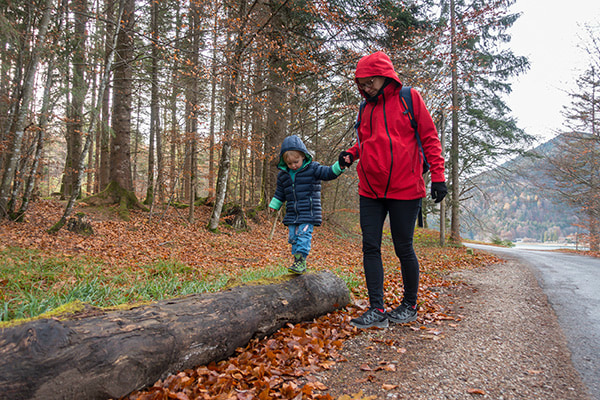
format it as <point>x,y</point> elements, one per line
<point>438,191</point>
<point>345,159</point>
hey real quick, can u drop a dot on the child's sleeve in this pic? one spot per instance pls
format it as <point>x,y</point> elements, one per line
<point>279,196</point>
<point>275,203</point>
<point>337,170</point>
<point>325,173</point>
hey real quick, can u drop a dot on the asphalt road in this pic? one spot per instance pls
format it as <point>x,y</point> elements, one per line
<point>572,284</point>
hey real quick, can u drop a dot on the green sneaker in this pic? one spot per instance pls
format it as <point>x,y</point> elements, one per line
<point>299,264</point>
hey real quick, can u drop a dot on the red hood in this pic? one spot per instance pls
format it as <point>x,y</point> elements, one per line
<point>376,64</point>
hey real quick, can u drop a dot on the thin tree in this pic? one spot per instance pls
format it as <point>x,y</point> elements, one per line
<point>574,168</point>
<point>18,129</point>
<point>92,124</point>
<point>154,100</point>
<point>77,96</point>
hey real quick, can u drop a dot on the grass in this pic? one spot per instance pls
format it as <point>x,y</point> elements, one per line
<point>32,284</point>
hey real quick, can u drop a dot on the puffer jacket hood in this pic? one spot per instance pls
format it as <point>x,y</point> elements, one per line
<point>376,64</point>
<point>290,143</point>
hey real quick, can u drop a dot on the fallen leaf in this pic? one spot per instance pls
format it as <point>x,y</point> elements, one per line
<point>475,391</point>
<point>534,371</point>
<point>386,386</point>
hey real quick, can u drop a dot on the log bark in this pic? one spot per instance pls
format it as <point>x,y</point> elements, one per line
<point>117,352</point>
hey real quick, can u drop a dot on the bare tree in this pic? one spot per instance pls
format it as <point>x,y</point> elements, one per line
<point>18,127</point>
<point>574,168</point>
<point>77,96</point>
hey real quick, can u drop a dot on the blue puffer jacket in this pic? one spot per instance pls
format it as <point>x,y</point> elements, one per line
<point>301,189</point>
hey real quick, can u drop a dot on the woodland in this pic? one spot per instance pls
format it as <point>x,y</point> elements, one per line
<point>145,104</point>
<point>155,126</point>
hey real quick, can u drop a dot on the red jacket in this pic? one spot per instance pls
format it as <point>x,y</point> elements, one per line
<point>390,161</point>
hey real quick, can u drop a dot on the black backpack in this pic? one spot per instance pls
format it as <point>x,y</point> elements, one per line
<point>406,100</point>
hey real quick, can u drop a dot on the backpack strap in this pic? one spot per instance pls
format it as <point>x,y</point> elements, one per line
<point>406,100</point>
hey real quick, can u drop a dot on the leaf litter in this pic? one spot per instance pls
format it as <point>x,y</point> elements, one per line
<point>288,363</point>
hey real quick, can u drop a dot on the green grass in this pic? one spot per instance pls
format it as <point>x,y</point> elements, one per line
<point>31,284</point>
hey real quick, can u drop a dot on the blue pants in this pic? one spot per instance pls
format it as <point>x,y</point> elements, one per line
<point>300,238</point>
<point>403,215</point>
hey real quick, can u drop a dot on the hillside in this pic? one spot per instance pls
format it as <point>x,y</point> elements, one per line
<point>509,202</point>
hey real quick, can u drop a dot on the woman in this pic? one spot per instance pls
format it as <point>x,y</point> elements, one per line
<point>391,182</point>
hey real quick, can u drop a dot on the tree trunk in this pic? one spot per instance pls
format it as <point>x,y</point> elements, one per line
<point>78,94</point>
<point>213,113</point>
<point>454,202</point>
<point>120,157</point>
<point>104,143</point>
<point>14,152</point>
<point>110,354</point>
<point>276,112</point>
<point>235,63</point>
<point>191,95</point>
<point>44,117</point>
<point>154,106</point>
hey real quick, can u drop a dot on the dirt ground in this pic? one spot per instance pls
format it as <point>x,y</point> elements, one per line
<point>506,345</point>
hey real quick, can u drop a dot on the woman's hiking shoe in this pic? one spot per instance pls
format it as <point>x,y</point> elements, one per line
<point>299,265</point>
<point>403,314</point>
<point>372,317</point>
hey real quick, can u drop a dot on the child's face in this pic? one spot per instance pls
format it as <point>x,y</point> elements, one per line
<point>293,159</point>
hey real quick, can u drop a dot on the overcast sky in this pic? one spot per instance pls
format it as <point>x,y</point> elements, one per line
<point>548,33</point>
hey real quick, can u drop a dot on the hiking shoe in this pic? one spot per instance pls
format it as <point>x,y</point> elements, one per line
<point>299,264</point>
<point>372,317</point>
<point>403,314</point>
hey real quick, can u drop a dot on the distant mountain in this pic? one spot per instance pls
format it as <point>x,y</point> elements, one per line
<point>509,203</point>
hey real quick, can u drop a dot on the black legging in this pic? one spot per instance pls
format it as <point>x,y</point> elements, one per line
<point>403,215</point>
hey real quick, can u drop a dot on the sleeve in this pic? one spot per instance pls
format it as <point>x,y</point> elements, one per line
<point>354,150</point>
<point>279,196</point>
<point>275,203</point>
<point>326,173</point>
<point>429,138</point>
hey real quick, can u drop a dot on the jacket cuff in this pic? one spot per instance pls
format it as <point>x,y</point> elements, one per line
<point>336,168</point>
<point>275,204</point>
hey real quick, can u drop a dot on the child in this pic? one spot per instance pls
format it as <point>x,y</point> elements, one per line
<point>299,185</point>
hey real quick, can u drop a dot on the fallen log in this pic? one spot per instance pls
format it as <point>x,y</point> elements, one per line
<point>117,352</point>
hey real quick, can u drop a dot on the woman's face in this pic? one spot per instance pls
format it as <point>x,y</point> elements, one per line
<point>371,85</point>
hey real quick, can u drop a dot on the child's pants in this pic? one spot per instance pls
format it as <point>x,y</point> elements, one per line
<point>300,238</point>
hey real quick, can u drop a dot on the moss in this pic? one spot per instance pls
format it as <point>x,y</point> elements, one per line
<point>74,308</point>
<point>235,282</point>
<point>71,308</point>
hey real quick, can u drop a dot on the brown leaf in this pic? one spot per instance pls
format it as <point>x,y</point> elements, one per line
<point>476,391</point>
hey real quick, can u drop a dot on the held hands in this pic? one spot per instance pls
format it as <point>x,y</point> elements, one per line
<point>438,191</point>
<point>345,159</point>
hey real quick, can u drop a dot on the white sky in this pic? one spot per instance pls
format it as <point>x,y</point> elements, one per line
<point>548,33</point>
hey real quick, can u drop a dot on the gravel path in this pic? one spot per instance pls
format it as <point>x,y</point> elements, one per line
<point>506,345</point>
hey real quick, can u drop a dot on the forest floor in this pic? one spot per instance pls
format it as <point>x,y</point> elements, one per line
<point>485,329</point>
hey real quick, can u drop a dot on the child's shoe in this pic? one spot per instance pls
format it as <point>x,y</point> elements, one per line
<point>299,264</point>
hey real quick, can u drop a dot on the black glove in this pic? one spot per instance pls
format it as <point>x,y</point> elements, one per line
<point>438,191</point>
<point>342,159</point>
